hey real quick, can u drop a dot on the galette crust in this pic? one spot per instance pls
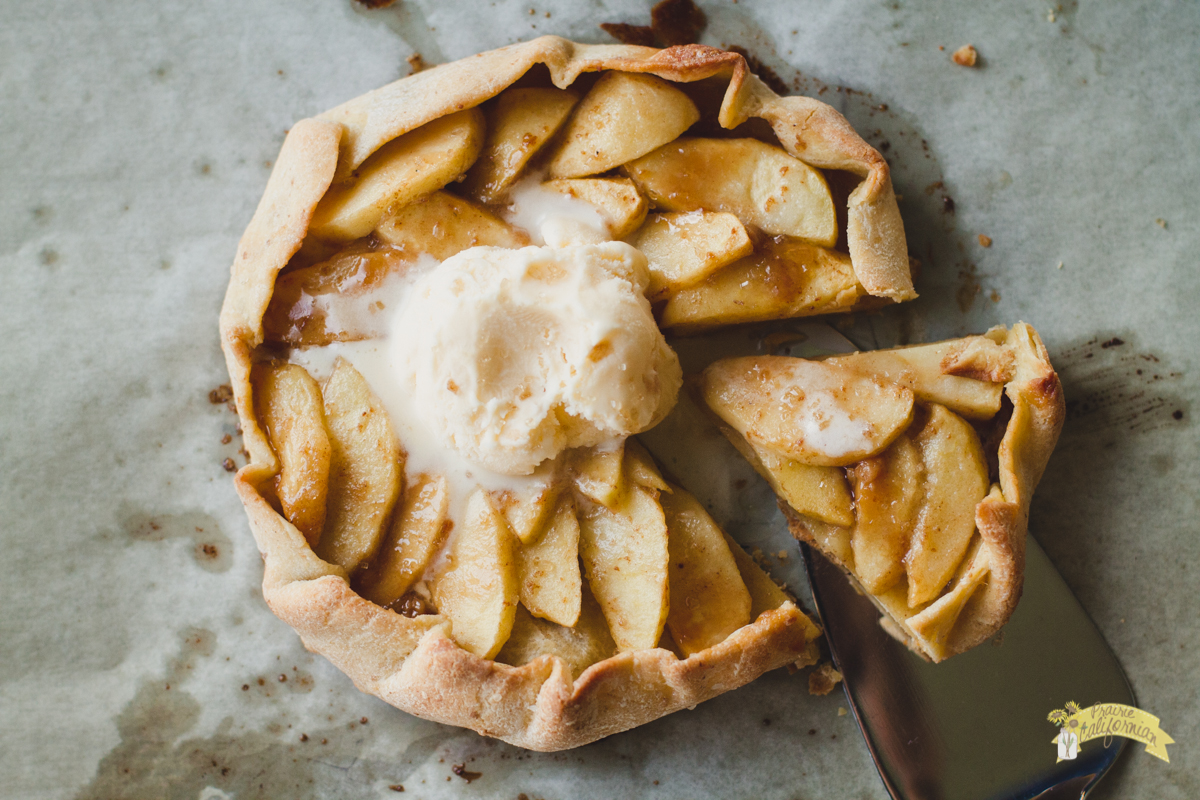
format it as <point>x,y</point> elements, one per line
<point>412,663</point>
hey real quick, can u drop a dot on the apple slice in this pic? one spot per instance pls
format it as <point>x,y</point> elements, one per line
<point>299,311</point>
<point>365,469</point>
<point>617,200</point>
<point>819,492</point>
<point>758,183</point>
<point>956,479</point>
<point>639,468</point>
<point>548,569</point>
<point>417,532</point>
<point>529,510</point>
<point>598,473</point>
<point>923,368</point>
<point>579,647</point>
<point>624,553</point>
<point>684,248</point>
<point>478,592</point>
<point>709,600</point>
<point>808,411</point>
<point>441,225</point>
<point>785,279</point>
<point>288,401</point>
<point>887,492</point>
<point>413,164</point>
<point>765,594</point>
<point>519,123</point>
<point>623,116</point>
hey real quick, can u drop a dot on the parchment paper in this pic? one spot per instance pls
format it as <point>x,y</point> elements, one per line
<point>137,658</point>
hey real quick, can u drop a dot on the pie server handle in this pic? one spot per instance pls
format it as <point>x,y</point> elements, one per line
<point>974,726</point>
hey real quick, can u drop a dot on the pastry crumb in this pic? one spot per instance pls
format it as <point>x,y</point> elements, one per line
<point>966,56</point>
<point>782,555</point>
<point>823,680</point>
<point>229,465</point>
<point>1060,265</point>
<point>221,394</point>
<point>842,711</point>
<point>396,787</point>
<point>1160,222</point>
<point>985,241</point>
<point>416,63</point>
<point>375,3</point>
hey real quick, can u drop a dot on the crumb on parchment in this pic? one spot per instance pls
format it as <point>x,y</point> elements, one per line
<point>984,240</point>
<point>966,56</point>
<point>823,680</point>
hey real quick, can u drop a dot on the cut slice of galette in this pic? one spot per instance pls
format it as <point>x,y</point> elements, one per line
<point>911,469</point>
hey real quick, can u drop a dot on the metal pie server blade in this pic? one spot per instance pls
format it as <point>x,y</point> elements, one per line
<point>975,726</point>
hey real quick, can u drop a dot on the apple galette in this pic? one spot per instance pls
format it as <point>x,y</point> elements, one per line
<point>911,469</point>
<point>444,325</point>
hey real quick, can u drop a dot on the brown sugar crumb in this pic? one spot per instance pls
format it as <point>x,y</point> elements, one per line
<point>416,63</point>
<point>375,3</point>
<point>363,720</point>
<point>461,771</point>
<point>221,394</point>
<point>623,32</point>
<point>966,56</point>
<point>396,787</point>
<point>229,465</point>
<point>985,241</point>
<point>226,439</point>
<point>304,737</point>
<point>823,680</point>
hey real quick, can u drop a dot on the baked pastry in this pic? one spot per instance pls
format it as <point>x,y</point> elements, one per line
<point>441,253</point>
<point>912,469</point>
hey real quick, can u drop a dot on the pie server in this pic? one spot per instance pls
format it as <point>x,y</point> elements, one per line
<point>974,726</point>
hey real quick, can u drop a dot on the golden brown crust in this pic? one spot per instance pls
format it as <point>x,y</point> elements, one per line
<point>412,663</point>
<point>992,575</point>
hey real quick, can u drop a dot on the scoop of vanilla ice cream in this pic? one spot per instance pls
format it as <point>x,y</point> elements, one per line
<point>516,355</point>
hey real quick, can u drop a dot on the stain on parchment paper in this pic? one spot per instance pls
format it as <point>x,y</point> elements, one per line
<point>211,548</point>
<point>1112,385</point>
<point>156,759</point>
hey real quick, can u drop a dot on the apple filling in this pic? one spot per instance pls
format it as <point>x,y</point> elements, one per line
<point>882,461</point>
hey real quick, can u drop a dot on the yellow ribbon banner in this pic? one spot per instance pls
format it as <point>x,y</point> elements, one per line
<point>1115,719</point>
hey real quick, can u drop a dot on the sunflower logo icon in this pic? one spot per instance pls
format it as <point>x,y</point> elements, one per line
<point>1068,735</point>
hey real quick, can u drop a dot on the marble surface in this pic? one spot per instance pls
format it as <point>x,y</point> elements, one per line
<point>137,658</point>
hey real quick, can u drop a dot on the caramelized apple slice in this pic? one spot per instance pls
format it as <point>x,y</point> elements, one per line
<point>624,553</point>
<point>365,469</point>
<point>478,591</point>
<point>808,411</point>
<point>598,473</point>
<point>765,594</point>
<point>288,401</point>
<point>441,225</point>
<point>819,492</point>
<point>887,491</point>
<point>758,183</point>
<point>785,279</point>
<point>926,370</point>
<point>417,531</point>
<point>579,647</point>
<point>709,600</point>
<point>685,248</point>
<point>302,311</point>
<point>617,200</point>
<point>639,467</point>
<point>548,569</point>
<point>956,479</point>
<point>528,511</point>
<point>519,123</point>
<point>625,115</point>
<point>411,165</point>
